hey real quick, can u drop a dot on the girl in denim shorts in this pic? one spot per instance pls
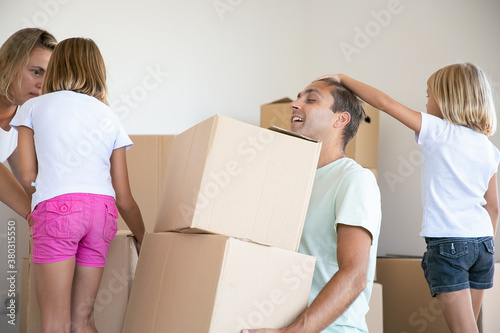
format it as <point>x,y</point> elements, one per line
<point>72,157</point>
<point>459,185</point>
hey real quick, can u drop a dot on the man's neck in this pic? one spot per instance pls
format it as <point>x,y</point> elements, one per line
<point>329,154</point>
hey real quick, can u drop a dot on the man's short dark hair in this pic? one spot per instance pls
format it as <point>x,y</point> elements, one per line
<point>346,100</point>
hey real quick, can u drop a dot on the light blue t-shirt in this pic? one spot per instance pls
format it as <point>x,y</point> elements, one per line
<point>345,193</point>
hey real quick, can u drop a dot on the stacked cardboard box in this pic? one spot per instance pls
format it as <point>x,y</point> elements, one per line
<point>408,304</point>
<point>112,297</point>
<point>147,164</point>
<point>222,256</point>
<point>363,148</point>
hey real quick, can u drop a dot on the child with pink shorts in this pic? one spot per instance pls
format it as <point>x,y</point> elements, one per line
<point>72,157</point>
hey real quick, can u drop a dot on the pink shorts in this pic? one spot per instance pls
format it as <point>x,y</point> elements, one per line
<point>75,225</point>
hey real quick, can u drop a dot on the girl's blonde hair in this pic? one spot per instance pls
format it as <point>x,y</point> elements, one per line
<point>15,55</point>
<point>77,65</point>
<point>464,96</point>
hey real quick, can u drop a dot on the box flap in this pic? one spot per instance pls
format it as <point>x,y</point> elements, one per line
<point>287,132</point>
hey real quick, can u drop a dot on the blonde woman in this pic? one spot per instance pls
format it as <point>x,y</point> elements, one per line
<point>23,61</point>
<point>72,153</point>
<point>459,185</point>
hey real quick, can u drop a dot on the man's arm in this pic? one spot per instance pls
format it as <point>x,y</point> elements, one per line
<point>353,252</point>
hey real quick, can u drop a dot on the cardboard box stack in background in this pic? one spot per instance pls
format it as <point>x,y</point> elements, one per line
<point>375,316</point>
<point>408,304</point>
<point>363,148</point>
<point>236,182</point>
<point>147,163</point>
<point>113,294</point>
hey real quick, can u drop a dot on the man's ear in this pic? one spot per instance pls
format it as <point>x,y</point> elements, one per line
<point>343,118</point>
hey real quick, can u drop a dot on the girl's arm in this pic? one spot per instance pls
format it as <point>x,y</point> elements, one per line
<point>381,101</point>
<point>27,159</point>
<point>12,193</point>
<point>125,202</point>
<point>491,197</point>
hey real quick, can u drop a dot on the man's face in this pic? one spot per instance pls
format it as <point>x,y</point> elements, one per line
<point>312,115</point>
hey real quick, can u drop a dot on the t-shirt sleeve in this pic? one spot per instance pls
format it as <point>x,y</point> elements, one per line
<point>23,116</point>
<point>358,202</point>
<point>430,131</point>
<point>122,139</point>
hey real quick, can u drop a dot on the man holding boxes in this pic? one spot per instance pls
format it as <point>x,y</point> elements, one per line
<point>343,220</point>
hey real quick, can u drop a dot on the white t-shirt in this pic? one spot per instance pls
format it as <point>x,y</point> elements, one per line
<point>343,193</point>
<point>458,165</point>
<point>74,136</point>
<point>8,144</point>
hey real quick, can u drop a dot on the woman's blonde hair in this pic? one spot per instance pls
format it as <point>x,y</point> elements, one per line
<point>15,55</point>
<point>464,96</point>
<point>77,65</point>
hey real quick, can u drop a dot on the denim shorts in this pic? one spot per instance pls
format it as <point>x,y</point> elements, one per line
<point>75,225</point>
<point>452,264</point>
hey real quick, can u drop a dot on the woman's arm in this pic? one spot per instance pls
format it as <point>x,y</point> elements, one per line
<point>381,101</point>
<point>125,202</point>
<point>12,193</point>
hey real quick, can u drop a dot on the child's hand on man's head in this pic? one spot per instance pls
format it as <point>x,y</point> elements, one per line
<point>334,77</point>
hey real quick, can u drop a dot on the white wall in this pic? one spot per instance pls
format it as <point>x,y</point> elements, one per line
<point>251,52</point>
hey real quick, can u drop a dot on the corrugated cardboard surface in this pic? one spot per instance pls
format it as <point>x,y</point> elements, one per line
<point>111,302</point>
<point>147,163</point>
<point>375,316</point>
<point>112,298</point>
<point>408,304</point>
<point>189,283</point>
<point>235,179</point>
<point>363,148</point>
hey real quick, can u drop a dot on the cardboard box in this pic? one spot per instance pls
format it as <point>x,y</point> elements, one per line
<point>489,319</point>
<point>188,283</point>
<point>112,298</point>
<point>235,179</point>
<point>147,163</point>
<point>111,302</point>
<point>363,148</point>
<point>375,316</point>
<point>408,304</point>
